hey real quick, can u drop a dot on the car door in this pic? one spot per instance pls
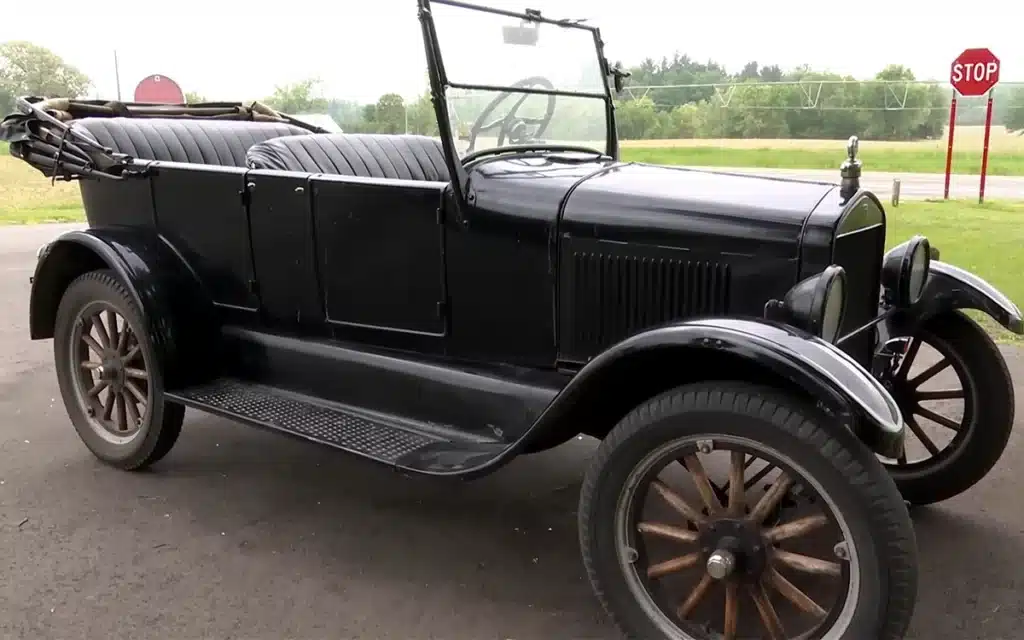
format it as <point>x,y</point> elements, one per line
<point>380,256</point>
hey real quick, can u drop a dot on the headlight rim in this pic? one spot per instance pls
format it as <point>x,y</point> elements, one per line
<point>898,271</point>
<point>806,302</point>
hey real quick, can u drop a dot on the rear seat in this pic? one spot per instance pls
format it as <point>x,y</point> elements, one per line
<point>196,141</point>
<point>396,157</point>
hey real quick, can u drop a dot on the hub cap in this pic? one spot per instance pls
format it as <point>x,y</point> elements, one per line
<point>738,558</point>
<point>110,373</point>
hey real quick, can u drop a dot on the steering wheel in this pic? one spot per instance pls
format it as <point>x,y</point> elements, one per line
<point>513,127</point>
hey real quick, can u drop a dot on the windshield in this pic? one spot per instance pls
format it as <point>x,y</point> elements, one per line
<point>489,58</point>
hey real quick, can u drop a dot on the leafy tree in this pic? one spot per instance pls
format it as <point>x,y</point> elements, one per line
<point>28,69</point>
<point>298,97</point>
<point>192,97</point>
<point>1015,111</point>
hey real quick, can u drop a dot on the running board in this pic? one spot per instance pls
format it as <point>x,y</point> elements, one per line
<point>389,440</point>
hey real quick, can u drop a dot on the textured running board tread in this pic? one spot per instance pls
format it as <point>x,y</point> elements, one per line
<point>364,435</point>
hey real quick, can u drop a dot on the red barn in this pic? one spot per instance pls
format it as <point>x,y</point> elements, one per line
<point>159,89</point>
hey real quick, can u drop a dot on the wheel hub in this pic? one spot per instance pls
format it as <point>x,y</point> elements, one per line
<point>733,549</point>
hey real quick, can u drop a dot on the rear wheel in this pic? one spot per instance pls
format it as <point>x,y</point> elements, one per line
<point>956,395</point>
<point>726,511</point>
<point>107,371</point>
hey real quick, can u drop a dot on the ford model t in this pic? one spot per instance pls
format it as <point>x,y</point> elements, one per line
<point>742,346</point>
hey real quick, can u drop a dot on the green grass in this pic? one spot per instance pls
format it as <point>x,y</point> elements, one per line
<point>26,196</point>
<point>984,239</point>
<point>912,160</point>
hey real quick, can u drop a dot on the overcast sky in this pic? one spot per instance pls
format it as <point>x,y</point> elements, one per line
<point>363,48</point>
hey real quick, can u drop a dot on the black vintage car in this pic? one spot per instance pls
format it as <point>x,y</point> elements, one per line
<point>741,345</point>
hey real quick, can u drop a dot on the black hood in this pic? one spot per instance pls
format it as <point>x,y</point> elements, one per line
<point>689,208</point>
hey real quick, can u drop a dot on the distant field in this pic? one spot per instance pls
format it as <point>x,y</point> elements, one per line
<point>1006,153</point>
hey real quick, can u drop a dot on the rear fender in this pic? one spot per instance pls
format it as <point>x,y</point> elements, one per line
<point>949,288</point>
<point>179,315</point>
<point>753,350</point>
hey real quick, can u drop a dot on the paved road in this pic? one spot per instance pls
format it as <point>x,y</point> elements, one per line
<point>912,185</point>
<point>244,534</point>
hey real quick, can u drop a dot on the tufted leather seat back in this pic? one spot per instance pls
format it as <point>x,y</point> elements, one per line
<point>218,142</point>
<point>398,157</point>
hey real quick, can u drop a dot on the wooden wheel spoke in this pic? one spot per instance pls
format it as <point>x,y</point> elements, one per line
<point>134,351</point>
<point>937,418</point>
<point>138,374</point>
<point>806,564</point>
<point>108,405</point>
<point>769,617</point>
<point>771,498</point>
<point>668,531</point>
<point>121,413</point>
<point>759,476</point>
<point>944,394</point>
<point>922,436</point>
<point>909,357</point>
<point>732,610</point>
<point>696,596</point>
<point>677,502</point>
<point>796,528</point>
<point>90,365</point>
<point>133,410</point>
<point>736,489</point>
<point>135,391</point>
<point>97,388</point>
<point>929,373</point>
<point>703,484</point>
<point>792,593</point>
<point>673,565</point>
<point>92,343</point>
<point>122,338</point>
<point>112,331</point>
<point>101,331</point>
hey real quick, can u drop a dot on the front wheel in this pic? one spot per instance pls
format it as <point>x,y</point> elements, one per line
<point>724,510</point>
<point>956,395</point>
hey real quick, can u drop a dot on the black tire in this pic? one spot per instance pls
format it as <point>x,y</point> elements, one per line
<point>881,530</point>
<point>161,424</point>
<point>980,443</point>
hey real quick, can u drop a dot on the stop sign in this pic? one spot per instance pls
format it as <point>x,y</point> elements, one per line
<point>974,72</point>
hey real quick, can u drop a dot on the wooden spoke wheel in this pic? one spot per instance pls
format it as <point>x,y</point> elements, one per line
<point>728,512</point>
<point>112,385</point>
<point>109,377</point>
<point>956,396</point>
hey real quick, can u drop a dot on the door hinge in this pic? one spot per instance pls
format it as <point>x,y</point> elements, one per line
<point>440,215</point>
<point>254,287</point>
<point>246,194</point>
<point>442,308</point>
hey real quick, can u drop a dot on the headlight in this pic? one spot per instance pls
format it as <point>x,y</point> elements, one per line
<point>818,303</point>
<point>905,271</point>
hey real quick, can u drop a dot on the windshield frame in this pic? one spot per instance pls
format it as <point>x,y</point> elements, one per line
<point>439,82</point>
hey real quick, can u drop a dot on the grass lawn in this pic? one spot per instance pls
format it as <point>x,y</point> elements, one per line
<point>1006,153</point>
<point>26,196</point>
<point>985,239</point>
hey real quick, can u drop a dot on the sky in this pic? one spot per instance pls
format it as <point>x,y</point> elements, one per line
<point>232,51</point>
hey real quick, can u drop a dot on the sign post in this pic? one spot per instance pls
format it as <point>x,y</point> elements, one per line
<point>974,72</point>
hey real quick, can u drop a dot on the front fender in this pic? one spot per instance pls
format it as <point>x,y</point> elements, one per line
<point>179,316</point>
<point>949,287</point>
<point>822,370</point>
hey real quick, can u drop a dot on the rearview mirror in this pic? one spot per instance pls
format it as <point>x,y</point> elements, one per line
<point>523,34</point>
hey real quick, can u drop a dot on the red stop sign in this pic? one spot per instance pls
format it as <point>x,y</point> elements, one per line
<point>974,72</point>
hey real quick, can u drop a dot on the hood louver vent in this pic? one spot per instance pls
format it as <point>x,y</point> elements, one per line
<point>608,297</point>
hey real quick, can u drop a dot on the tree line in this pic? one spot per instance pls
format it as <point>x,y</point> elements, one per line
<point>763,102</point>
